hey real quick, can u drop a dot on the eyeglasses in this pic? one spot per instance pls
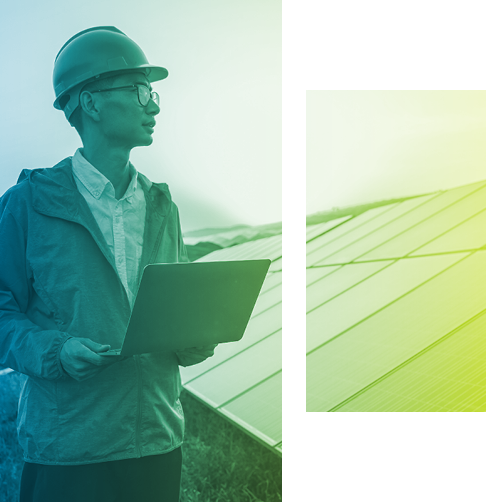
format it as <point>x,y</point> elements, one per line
<point>144,93</point>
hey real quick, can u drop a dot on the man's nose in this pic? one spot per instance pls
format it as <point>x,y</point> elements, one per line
<point>152,107</point>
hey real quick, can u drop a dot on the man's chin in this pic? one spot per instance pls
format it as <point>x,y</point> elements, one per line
<point>147,141</point>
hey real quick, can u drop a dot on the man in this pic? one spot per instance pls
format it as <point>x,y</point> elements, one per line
<point>74,239</point>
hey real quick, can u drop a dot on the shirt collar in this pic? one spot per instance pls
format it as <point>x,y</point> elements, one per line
<point>96,182</point>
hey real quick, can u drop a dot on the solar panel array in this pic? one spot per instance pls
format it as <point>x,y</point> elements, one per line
<point>243,380</point>
<point>396,307</point>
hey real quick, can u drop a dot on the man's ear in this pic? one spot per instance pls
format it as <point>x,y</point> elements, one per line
<point>90,105</point>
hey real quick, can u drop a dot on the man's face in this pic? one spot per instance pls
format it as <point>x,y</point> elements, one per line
<point>124,121</point>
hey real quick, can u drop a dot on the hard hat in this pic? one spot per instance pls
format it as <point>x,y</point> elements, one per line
<point>97,51</point>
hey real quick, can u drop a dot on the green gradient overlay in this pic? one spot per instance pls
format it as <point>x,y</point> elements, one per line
<point>396,304</point>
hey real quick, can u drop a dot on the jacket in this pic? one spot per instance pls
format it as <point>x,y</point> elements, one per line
<point>58,280</point>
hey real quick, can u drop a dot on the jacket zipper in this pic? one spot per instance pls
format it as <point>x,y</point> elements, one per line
<point>138,423</point>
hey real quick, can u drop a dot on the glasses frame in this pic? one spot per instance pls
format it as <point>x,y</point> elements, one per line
<point>152,94</point>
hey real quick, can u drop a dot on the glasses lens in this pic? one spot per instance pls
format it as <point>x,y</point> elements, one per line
<point>143,95</point>
<point>155,97</point>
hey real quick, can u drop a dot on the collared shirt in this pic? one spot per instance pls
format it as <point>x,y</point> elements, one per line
<point>121,221</point>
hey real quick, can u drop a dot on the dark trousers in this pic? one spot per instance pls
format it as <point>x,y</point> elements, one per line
<point>147,479</point>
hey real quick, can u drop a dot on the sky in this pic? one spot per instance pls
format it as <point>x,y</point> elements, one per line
<point>217,142</point>
<point>365,146</point>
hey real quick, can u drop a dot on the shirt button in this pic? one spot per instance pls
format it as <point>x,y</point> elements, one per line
<point>96,193</point>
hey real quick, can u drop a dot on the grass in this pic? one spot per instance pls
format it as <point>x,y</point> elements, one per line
<point>221,463</point>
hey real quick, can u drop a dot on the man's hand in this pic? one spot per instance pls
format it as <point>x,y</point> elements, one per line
<point>195,355</point>
<point>81,360</point>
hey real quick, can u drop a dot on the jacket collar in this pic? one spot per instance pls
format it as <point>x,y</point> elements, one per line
<point>54,193</point>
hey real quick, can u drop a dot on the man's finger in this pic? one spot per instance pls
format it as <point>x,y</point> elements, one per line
<point>95,347</point>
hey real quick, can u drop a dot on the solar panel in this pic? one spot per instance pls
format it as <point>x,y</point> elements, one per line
<point>347,227</point>
<point>347,249</point>
<point>334,284</point>
<point>270,248</point>
<point>449,376</point>
<point>340,370</point>
<point>268,299</point>
<point>371,295</point>
<point>233,378</point>
<point>260,327</point>
<point>462,207</point>
<point>276,266</point>
<point>469,235</point>
<point>271,281</point>
<point>267,398</point>
<point>314,274</point>
<point>313,231</point>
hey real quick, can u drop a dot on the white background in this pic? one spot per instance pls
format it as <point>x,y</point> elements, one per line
<point>369,45</point>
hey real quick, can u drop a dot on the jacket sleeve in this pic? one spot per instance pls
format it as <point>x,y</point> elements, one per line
<point>194,355</point>
<point>24,346</point>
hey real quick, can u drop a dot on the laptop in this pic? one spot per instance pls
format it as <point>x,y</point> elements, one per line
<point>182,305</point>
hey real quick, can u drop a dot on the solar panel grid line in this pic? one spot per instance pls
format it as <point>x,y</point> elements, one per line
<point>276,265</point>
<point>400,212</point>
<point>388,304</point>
<point>321,253</point>
<point>433,208</point>
<point>269,247</point>
<point>316,274</point>
<point>410,360</point>
<point>229,379</point>
<point>452,230</point>
<point>272,280</point>
<point>266,398</point>
<point>263,311</point>
<point>470,191</point>
<point>231,357</point>
<point>269,377</point>
<point>397,258</point>
<point>267,300</point>
<point>325,227</point>
<point>350,287</point>
<point>347,227</point>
